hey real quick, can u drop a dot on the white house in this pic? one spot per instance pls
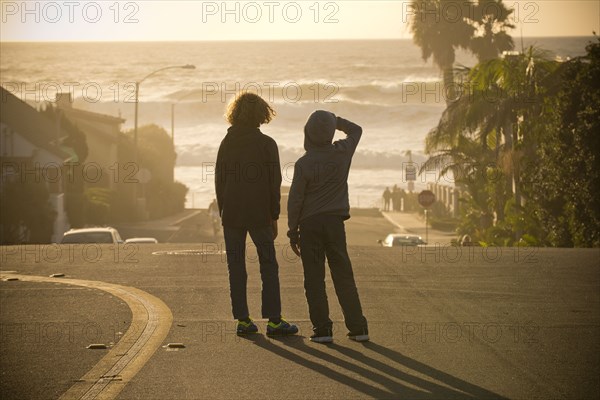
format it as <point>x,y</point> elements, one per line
<point>30,149</point>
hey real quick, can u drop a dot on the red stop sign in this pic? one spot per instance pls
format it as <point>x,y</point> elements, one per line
<point>426,198</point>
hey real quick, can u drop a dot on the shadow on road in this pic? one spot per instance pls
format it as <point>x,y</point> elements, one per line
<point>396,379</point>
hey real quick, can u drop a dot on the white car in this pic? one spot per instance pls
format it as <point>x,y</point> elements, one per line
<point>92,235</point>
<point>401,239</point>
<point>141,240</point>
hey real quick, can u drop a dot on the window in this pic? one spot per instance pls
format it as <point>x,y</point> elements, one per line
<point>88,237</point>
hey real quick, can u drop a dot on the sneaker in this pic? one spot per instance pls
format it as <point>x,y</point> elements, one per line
<point>282,328</point>
<point>322,336</point>
<point>246,327</point>
<point>359,336</point>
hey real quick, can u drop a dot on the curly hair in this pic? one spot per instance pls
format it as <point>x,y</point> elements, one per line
<point>249,109</point>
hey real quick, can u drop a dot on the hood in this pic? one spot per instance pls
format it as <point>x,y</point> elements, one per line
<point>319,129</point>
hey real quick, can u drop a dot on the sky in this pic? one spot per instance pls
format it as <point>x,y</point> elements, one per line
<point>164,20</point>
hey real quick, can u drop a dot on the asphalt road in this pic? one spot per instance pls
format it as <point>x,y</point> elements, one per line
<point>45,329</point>
<point>444,322</point>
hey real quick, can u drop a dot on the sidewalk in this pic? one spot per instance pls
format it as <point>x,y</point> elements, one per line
<point>163,229</point>
<point>412,223</point>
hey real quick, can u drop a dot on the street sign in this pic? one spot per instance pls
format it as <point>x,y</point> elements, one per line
<point>410,172</point>
<point>426,198</point>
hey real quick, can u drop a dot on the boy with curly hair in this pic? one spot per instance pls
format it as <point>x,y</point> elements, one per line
<point>247,184</point>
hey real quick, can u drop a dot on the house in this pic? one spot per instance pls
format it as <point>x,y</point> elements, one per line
<point>103,135</point>
<point>31,151</point>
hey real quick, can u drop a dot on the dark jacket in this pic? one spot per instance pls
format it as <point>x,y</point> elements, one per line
<point>320,184</point>
<point>248,178</point>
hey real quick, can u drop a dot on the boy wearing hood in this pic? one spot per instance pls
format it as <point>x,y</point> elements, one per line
<point>318,205</point>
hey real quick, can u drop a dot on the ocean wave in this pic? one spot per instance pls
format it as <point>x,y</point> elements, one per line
<point>215,96</point>
<point>317,91</point>
<point>203,155</point>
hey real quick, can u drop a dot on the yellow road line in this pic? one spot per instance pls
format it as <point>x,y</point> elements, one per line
<point>150,324</point>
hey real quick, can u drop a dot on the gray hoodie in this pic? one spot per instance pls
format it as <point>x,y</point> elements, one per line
<point>320,184</point>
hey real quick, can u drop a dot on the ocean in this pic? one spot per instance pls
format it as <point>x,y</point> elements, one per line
<point>382,85</point>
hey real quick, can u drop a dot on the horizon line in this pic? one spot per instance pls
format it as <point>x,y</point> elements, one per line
<point>257,40</point>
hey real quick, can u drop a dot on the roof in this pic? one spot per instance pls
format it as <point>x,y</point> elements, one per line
<point>87,230</point>
<point>32,125</point>
<point>403,235</point>
<point>93,115</point>
<point>93,119</point>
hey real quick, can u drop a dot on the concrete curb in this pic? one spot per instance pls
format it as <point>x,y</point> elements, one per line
<point>151,322</point>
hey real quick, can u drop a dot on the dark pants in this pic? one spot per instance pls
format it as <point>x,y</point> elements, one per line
<point>324,236</point>
<point>235,245</point>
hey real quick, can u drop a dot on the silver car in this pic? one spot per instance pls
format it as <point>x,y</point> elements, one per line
<point>92,235</point>
<point>401,239</point>
<point>141,240</point>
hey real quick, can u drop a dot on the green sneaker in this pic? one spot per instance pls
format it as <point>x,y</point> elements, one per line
<point>245,328</point>
<point>282,328</point>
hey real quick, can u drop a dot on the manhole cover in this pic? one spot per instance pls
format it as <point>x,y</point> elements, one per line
<point>187,252</point>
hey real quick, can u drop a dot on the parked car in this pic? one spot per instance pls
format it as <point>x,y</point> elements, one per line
<point>465,240</point>
<point>92,235</point>
<point>141,240</point>
<point>401,239</point>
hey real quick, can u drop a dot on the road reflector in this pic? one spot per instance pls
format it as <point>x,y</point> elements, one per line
<point>97,346</point>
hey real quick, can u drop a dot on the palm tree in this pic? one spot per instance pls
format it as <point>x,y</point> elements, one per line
<point>519,81</point>
<point>472,167</point>
<point>503,94</point>
<point>491,21</point>
<point>439,28</point>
